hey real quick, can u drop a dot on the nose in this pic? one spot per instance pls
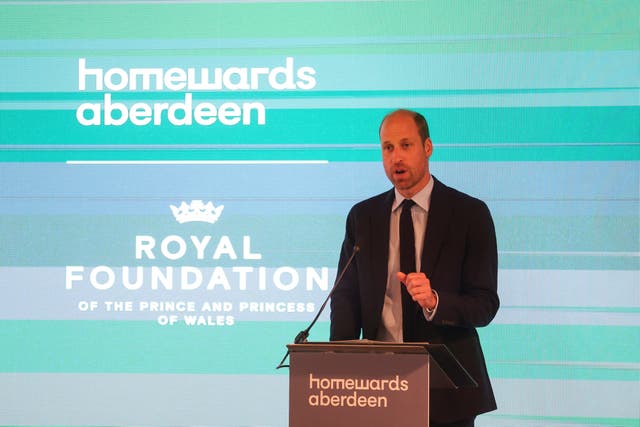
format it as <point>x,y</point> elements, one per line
<point>396,157</point>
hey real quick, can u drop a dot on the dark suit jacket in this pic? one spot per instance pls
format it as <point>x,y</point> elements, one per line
<point>460,259</point>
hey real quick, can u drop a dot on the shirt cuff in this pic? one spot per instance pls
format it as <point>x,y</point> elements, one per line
<point>429,314</point>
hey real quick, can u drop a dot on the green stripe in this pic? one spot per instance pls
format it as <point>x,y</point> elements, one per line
<point>518,125</point>
<point>256,348</point>
<point>561,343</point>
<point>344,19</point>
<point>348,19</point>
<point>59,240</point>
<point>575,309</point>
<point>522,134</point>
<point>573,43</point>
<point>570,234</point>
<point>144,347</point>
<point>578,421</point>
<point>569,262</point>
<point>113,239</point>
<point>151,96</point>
<point>62,240</point>
<point>559,372</point>
<point>541,420</point>
<point>154,96</point>
<point>473,154</point>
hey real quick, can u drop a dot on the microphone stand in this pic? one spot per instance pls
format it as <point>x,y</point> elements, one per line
<point>304,334</point>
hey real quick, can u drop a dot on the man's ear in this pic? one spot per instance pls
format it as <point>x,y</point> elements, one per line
<point>428,147</point>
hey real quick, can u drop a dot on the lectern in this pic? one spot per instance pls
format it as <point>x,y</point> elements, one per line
<point>373,384</point>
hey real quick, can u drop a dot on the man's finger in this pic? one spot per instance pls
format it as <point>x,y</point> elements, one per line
<point>401,277</point>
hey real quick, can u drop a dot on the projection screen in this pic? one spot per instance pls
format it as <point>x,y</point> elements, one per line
<point>175,178</point>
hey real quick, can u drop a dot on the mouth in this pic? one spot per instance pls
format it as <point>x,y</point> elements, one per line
<point>399,172</point>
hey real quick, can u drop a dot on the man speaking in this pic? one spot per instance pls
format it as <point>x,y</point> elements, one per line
<point>426,270</point>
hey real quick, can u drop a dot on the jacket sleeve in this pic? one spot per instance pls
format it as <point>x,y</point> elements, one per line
<point>469,298</point>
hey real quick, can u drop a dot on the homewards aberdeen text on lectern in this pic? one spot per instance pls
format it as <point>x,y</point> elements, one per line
<point>364,383</point>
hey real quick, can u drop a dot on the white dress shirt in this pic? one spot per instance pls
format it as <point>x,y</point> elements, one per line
<point>391,326</point>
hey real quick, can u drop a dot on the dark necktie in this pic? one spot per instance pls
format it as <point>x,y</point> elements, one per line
<point>407,239</point>
<point>407,264</point>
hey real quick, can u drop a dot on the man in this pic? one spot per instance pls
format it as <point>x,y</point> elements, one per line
<point>453,287</point>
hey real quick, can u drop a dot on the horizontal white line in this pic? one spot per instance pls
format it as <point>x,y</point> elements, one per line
<point>596,365</point>
<point>538,144</point>
<point>126,2</point>
<point>197,162</point>
<point>366,146</point>
<point>181,146</point>
<point>572,253</point>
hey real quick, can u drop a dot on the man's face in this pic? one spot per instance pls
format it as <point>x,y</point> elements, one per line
<point>404,155</point>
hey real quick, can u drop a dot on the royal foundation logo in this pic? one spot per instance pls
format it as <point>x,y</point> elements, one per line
<point>197,211</point>
<point>196,279</point>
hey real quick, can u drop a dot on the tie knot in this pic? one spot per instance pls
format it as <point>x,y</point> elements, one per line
<point>407,204</point>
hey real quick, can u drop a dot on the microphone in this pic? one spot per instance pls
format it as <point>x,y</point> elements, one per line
<point>303,335</point>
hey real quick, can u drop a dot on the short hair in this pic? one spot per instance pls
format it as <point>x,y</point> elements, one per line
<point>420,121</point>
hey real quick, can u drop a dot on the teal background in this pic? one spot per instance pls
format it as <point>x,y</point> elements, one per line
<point>532,106</point>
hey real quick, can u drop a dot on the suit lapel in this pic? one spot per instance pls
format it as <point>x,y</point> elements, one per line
<point>437,226</point>
<point>379,232</point>
<point>380,240</point>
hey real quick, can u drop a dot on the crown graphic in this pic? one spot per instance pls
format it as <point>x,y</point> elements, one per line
<point>196,211</point>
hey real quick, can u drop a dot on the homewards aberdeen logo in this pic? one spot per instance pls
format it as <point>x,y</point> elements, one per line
<point>183,81</point>
<point>197,211</point>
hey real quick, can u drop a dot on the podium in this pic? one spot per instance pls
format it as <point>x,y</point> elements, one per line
<point>364,383</point>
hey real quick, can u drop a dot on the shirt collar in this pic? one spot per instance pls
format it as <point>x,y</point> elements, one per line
<point>422,197</point>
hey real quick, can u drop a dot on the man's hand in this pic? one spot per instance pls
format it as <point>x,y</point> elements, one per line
<point>419,287</point>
